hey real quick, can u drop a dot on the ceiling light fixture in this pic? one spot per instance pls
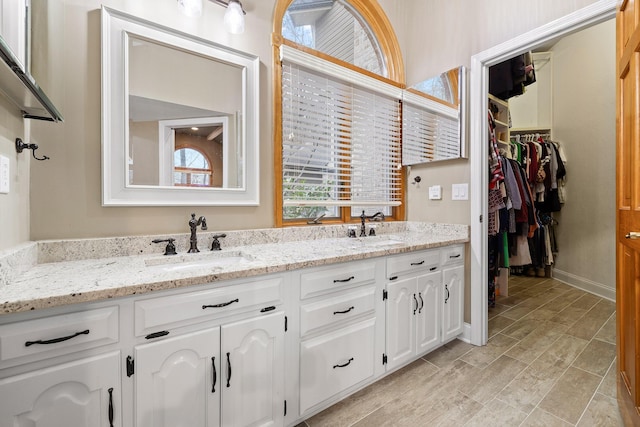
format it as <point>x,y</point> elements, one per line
<point>233,17</point>
<point>191,8</point>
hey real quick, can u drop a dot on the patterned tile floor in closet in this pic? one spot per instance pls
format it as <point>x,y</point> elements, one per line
<point>550,361</point>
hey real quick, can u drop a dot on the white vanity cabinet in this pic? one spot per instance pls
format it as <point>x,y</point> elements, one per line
<point>340,326</point>
<point>74,382</point>
<point>424,302</point>
<point>84,392</point>
<point>229,373</point>
<point>452,261</point>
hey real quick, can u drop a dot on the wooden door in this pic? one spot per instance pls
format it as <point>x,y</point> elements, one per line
<point>628,211</point>
<point>178,381</point>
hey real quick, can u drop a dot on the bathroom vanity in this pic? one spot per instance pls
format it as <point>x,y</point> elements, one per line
<point>266,333</point>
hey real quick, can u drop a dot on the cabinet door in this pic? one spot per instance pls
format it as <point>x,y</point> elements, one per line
<point>175,381</point>
<point>79,393</point>
<point>401,338</point>
<point>428,317</point>
<point>453,302</point>
<point>253,377</point>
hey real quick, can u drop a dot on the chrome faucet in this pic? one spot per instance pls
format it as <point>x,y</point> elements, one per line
<point>193,225</point>
<point>378,216</point>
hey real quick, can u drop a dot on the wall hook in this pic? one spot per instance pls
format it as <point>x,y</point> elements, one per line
<point>20,145</point>
<point>416,180</point>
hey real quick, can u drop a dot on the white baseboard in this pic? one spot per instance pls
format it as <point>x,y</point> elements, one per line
<point>466,333</point>
<point>585,284</point>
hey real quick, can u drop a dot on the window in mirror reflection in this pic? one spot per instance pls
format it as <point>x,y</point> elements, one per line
<point>439,87</point>
<point>192,169</point>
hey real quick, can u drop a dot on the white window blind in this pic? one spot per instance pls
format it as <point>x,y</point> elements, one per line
<point>341,140</point>
<point>430,131</point>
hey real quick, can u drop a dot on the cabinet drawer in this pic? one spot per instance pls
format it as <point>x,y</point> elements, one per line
<point>192,307</point>
<point>329,279</point>
<point>414,261</point>
<point>336,309</point>
<point>38,339</point>
<point>451,255</point>
<point>334,362</point>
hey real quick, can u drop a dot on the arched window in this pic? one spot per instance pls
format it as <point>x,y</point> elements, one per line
<point>339,77</point>
<point>191,168</point>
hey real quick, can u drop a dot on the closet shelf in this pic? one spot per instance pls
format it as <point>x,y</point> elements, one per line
<point>498,101</point>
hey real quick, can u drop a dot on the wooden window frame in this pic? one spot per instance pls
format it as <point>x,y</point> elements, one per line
<point>381,28</point>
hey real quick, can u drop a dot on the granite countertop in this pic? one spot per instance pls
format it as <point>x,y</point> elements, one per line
<point>49,282</point>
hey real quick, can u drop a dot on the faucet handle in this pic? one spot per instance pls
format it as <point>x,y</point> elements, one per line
<point>170,249</point>
<point>215,245</point>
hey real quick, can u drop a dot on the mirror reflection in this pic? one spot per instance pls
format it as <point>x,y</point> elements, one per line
<point>433,119</point>
<point>184,112</point>
<point>444,87</point>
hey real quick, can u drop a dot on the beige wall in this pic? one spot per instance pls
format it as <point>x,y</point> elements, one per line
<point>584,121</point>
<point>14,207</point>
<point>66,191</point>
<point>432,48</point>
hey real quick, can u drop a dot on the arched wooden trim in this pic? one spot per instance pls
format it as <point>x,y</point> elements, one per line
<point>377,20</point>
<point>183,145</point>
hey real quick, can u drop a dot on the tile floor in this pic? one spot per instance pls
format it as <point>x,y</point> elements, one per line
<point>550,361</point>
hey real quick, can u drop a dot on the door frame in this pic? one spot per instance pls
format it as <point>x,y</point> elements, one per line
<point>581,19</point>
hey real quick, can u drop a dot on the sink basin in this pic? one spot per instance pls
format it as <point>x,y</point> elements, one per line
<point>380,241</point>
<point>194,261</point>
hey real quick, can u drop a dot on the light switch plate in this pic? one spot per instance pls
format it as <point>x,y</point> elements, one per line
<point>460,191</point>
<point>5,176</point>
<point>435,192</point>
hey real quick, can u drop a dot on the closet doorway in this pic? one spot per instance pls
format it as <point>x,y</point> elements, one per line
<point>547,35</point>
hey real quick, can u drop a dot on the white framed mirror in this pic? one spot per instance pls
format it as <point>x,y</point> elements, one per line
<point>179,118</point>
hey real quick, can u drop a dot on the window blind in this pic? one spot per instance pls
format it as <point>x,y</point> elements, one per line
<point>341,140</point>
<point>431,131</point>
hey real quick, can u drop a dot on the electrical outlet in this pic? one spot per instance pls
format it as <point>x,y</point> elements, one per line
<point>5,176</point>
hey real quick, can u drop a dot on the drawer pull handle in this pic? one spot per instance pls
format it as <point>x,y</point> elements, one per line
<point>343,280</point>
<point>393,277</point>
<point>56,340</point>
<point>416,301</point>
<point>228,370</point>
<point>110,407</point>
<point>454,256</point>
<point>433,268</point>
<point>446,288</point>
<point>418,263</point>
<point>156,335</point>
<point>215,375</point>
<point>224,304</point>
<point>421,303</point>
<point>266,309</point>
<point>345,365</point>
<point>345,311</point>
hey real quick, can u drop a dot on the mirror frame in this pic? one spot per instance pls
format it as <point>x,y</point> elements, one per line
<point>116,191</point>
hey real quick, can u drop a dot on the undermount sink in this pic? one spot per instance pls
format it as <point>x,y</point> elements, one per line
<point>199,260</point>
<point>380,241</point>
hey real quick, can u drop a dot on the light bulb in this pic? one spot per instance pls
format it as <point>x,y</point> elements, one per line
<point>234,18</point>
<point>191,8</point>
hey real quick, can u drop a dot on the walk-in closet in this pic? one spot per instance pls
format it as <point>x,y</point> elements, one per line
<point>551,165</point>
